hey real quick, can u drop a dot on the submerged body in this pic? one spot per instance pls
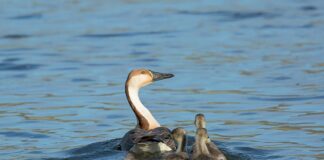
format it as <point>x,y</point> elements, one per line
<point>148,133</point>
<point>152,149</point>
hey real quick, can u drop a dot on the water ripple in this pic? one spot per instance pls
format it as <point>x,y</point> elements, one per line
<point>15,36</point>
<point>18,67</point>
<point>28,16</point>
<point>231,15</point>
<point>23,135</point>
<point>287,98</point>
<point>125,34</point>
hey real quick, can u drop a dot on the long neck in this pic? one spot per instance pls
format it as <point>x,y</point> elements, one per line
<point>145,119</point>
<point>181,144</point>
<point>200,124</point>
<point>201,145</point>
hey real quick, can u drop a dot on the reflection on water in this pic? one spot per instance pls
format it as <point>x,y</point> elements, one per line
<point>254,68</point>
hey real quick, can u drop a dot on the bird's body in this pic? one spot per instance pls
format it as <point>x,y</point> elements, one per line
<point>138,135</point>
<point>204,148</point>
<point>177,156</point>
<point>179,135</point>
<point>148,135</point>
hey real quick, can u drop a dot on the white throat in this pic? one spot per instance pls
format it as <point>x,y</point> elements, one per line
<point>133,92</point>
<point>201,145</point>
<point>179,146</point>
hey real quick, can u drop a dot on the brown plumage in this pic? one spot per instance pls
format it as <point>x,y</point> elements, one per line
<point>204,148</point>
<point>179,135</point>
<point>200,121</point>
<point>138,135</point>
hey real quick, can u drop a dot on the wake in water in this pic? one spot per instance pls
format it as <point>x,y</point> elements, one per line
<point>109,150</point>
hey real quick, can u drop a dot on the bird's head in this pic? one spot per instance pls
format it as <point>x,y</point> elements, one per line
<point>200,121</point>
<point>142,77</point>
<point>201,133</point>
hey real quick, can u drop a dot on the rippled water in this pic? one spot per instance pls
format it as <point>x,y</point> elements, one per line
<point>254,68</point>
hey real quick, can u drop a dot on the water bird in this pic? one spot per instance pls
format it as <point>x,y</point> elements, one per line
<point>204,148</point>
<point>148,136</point>
<point>179,135</point>
<point>200,121</point>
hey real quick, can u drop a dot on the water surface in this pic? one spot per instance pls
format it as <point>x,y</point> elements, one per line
<point>254,68</point>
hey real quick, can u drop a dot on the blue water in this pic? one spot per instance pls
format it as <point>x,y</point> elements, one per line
<point>254,68</point>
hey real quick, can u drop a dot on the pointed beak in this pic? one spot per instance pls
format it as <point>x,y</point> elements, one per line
<point>159,76</point>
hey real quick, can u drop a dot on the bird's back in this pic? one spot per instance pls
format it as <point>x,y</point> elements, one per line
<point>138,135</point>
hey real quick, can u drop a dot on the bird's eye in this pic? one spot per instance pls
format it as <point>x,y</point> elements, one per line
<point>143,72</point>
